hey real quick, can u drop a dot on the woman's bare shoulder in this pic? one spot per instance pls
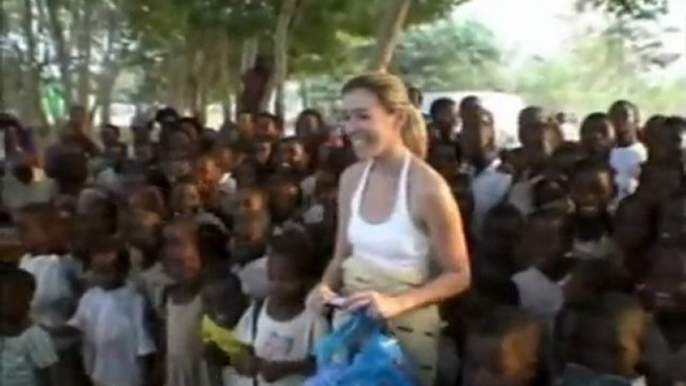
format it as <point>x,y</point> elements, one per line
<point>352,174</point>
<point>425,179</point>
<point>349,179</point>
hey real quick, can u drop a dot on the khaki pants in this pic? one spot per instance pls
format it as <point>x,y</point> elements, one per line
<point>418,331</point>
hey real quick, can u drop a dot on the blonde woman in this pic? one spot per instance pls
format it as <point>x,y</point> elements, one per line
<point>396,214</point>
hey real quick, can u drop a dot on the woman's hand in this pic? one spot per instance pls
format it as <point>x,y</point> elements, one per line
<point>320,297</point>
<point>378,305</point>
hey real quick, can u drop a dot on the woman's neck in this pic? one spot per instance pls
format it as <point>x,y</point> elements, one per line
<point>392,158</point>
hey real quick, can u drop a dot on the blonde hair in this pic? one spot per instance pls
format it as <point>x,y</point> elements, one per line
<point>393,96</point>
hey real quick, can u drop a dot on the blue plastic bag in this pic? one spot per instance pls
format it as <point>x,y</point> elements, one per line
<point>360,353</point>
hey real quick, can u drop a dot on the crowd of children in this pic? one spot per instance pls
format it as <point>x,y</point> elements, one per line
<point>186,260</point>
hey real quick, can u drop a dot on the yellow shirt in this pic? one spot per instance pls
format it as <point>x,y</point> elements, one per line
<point>224,339</point>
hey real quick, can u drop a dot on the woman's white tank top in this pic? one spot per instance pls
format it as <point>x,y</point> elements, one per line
<point>394,243</point>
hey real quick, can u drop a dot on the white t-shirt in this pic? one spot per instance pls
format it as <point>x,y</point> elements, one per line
<point>114,335</point>
<point>55,297</point>
<point>22,355</point>
<point>292,340</point>
<point>626,161</point>
<point>538,295</point>
<point>489,188</point>
<point>253,277</point>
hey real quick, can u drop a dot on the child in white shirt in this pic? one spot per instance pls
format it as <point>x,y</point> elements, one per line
<point>58,284</point>
<point>110,316</point>
<point>26,351</point>
<point>281,332</point>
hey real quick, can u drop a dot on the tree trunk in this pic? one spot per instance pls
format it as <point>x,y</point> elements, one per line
<point>61,48</point>
<point>304,93</point>
<point>278,79</point>
<point>33,111</point>
<point>249,51</point>
<point>390,27</point>
<point>84,50</point>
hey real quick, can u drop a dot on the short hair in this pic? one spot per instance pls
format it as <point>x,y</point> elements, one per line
<point>620,105</point>
<point>15,279</point>
<point>439,104</point>
<point>520,336</point>
<point>592,119</point>
<point>594,166</point>
<point>505,211</point>
<point>296,246</point>
<point>112,127</point>
<point>122,258</point>
<point>276,120</point>
<point>613,323</point>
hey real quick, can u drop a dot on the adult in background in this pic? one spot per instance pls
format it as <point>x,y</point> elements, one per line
<point>627,157</point>
<point>382,255</point>
<point>444,120</point>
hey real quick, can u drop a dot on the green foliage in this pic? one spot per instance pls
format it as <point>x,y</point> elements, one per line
<point>449,56</point>
<point>635,9</point>
<point>589,76</point>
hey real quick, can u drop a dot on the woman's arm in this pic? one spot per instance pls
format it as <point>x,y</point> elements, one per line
<point>441,217</point>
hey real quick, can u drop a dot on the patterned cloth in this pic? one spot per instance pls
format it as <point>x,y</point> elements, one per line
<point>418,331</point>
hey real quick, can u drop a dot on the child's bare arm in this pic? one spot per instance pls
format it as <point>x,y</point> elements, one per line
<point>275,371</point>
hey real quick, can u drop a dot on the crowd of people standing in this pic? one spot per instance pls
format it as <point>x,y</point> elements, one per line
<point>221,257</point>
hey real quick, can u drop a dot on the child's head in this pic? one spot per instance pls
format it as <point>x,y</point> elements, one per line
<point>251,199</point>
<point>16,292</point>
<point>292,155</point>
<point>99,210</point>
<point>309,123</point>
<point>262,150</point>
<point>227,157</point>
<point>605,334</point>
<point>592,278</point>
<point>502,349</point>
<point>179,143</point>
<point>110,265</point>
<point>445,159</point>
<point>147,198</point>
<point>37,225</point>
<point>251,226</point>
<point>548,236</point>
<point>181,253</point>
<point>284,198</point>
<point>207,175</point>
<point>268,125</point>
<point>185,198</point>
<point>566,157</point>
<point>552,189</point>
<point>597,135</point>
<point>592,188</point>
<point>109,134</point>
<point>223,298</point>
<point>246,175</point>
<point>289,266</point>
<point>144,229</point>
<point>502,227</point>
